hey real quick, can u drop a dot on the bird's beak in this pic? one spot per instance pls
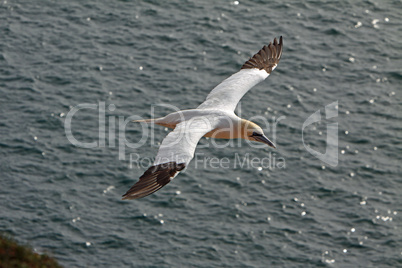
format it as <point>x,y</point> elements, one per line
<point>265,140</point>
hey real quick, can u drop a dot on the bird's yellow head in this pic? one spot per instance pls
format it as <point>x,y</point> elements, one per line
<point>253,132</point>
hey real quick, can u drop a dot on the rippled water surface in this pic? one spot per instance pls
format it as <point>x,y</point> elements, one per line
<point>289,210</point>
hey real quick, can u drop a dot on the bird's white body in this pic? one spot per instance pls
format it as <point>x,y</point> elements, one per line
<point>189,126</point>
<point>214,118</point>
<point>227,122</point>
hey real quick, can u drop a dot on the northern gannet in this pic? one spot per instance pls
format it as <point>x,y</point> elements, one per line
<point>214,118</point>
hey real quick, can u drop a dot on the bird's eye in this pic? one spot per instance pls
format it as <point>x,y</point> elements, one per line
<point>255,134</point>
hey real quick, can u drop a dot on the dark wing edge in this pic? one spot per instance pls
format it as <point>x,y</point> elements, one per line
<point>154,179</point>
<point>267,58</point>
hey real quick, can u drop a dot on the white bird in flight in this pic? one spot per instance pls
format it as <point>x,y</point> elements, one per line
<point>214,118</point>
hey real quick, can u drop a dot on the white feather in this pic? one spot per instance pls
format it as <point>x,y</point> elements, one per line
<point>228,93</point>
<point>179,145</point>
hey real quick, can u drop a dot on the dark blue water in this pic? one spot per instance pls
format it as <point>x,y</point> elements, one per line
<point>132,57</point>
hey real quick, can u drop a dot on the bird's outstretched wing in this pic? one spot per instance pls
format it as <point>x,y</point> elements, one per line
<point>228,93</point>
<point>175,152</point>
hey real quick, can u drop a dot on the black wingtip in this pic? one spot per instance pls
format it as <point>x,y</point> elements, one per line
<point>153,179</point>
<point>267,58</point>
